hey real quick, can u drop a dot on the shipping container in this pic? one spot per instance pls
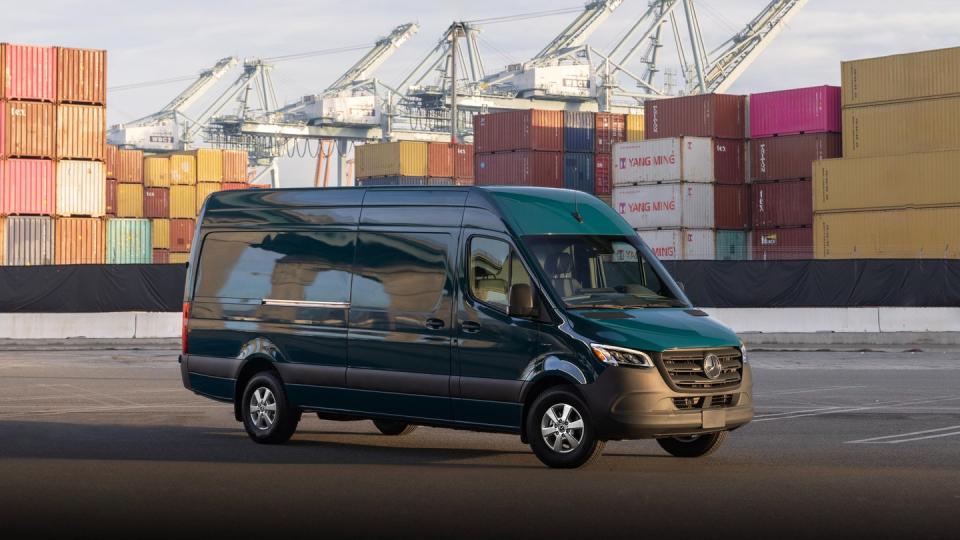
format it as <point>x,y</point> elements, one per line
<point>579,131</point>
<point>902,128</point>
<point>27,186</point>
<point>161,256</point>
<point>781,244</point>
<point>228,186</point>
<point>402,158</point>
<point>681,244</point>
<point>160,233</point>
<point>635,127</point>
<point>603,175</point>
<point>731,206</point>
<point>178,258</point>
<point>578,171</point>
<point>522,168</point>
<point>3,240</point>
<point>799,110</point>
<point>79,241</point>
<point>732,245</point>
<point>28,129</point>
<point>440,160</point>
<point>688,159</point>
<point>234,165</point>
<point>81,188</point>
<point>81,76</point>
<point>914,180</point>
<point>782,204</point>
<point>130,166</point>
<point>156,202</point>
<point>111,159</point>
<point>611,129</point>
<point>393,181</point>
<point>181,235</point>
<point>437,181</point>
<point>702,115</point>
<point>29,240</point>
<point>901,77</point>
<point>28,72</point>
<point>182,169</point>
<point>204,189</point>
<point>156,171</point>
<point>110,197</point>
<point>128,241</point>
<point>183,201</point>
<point>129,200</point>
<point>685,205</point>
<point>518,130</point>
<point>81,132</point>
<point>915,233</point>
<point>463,161</point>
<point>792,156</point>
<point>209,165</point>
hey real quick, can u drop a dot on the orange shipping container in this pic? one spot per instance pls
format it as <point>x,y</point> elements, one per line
<point>81,132</point>
<point>156,171</point>
<point>81,76</point>
<point>130,167</point>
<point>183,169</point>
<point>27,129</point>
<point>183,201</point>
<point>203,191</point>
<point>129,200</point>
<point>228,186</point>
<point>161,256</point>
<point>209,165</point>
<point>112,159</point>
<point>181,235</point>
<point>79,241</point>
<point>234,166</point>
<point>439,160</point>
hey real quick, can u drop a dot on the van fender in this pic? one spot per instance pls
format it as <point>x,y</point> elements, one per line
<point>550,366</point>
<point>256,354</point>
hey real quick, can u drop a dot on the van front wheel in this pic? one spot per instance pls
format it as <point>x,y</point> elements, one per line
<point>560,432</point>
<point>267,416</point>
<point>693,446</point>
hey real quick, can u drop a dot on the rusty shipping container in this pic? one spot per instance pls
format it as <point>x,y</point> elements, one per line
<point>156,171</point>
<point>782,244</point>
<point>27,186</point>
<point>705,115</point>
<point>28,72</point>
<point>603,175</point>
<point>130,166</point>
<point>183,201</point>
<point>181,235</point>
<point>209,165</point>
<point>79,240</point>
<point>204,189</point>
<point>791,156</point>
<point>401,158</point>
<point>81,186</point>
<point>161,256</point>
<point>463,161</point>
<point>81,132</point>
<point>128,241</point>
<point>156,202</point>
<point>110,197</point>
<point>111,159</point>
<point>160,233</point>
<point>29,240</point>
<point>901,77</point>
<point>129,200</point>
<point>912,233</point>
<point>782,204</point>
<point>731,207</point>
<point>182,169</point>
<point>522,168</point>
<point>440,160</point>
<point>530,129</point>
<point>610,129</point>
<point>28,129</point>
<point>234,165</point>
<point>902,128</point>
<point>81,76</point>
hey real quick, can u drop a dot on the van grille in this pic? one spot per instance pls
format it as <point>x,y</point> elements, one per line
<point>684,368</point>
<point>701,402</point>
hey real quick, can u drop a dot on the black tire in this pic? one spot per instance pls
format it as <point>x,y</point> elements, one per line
<point>284,421</point>
<point>392,427</point>
<point>588,447</point>
<point>700,446</point>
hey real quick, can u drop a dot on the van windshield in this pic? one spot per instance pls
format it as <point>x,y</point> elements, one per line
<point>600,272</point>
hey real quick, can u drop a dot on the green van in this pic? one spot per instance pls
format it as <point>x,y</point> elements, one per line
<point>531,311</point>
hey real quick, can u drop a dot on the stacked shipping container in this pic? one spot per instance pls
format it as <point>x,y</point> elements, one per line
<point>520,148</point>
<point>414,163</point>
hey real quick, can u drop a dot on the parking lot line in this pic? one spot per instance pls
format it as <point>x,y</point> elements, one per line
<point>807,390</point>
<point>893,439</point>
<point>881,405</point>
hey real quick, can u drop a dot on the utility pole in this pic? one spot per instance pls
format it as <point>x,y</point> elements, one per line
<point>458,28</point>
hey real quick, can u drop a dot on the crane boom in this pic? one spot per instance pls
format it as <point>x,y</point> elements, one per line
<point>198,88</point>
<point>577,32</point>
<point>384,49</point>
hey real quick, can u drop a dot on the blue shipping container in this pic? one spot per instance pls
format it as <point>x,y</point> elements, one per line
<point>578,171</point>
<point>128,241</point>
<point>732,245</point>
<point>579,130</point>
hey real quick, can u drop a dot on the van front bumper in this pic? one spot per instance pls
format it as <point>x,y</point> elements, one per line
<point>636,403</point>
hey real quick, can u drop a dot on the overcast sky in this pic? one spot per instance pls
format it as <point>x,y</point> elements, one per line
<point>151,40</point>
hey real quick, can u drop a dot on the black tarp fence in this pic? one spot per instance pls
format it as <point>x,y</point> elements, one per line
<point>844,283</point>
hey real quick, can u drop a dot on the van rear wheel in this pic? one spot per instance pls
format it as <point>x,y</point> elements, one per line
<point>267,417</point>
<point>694,445</point>
<point>560,431</point>
<point>391,427</point>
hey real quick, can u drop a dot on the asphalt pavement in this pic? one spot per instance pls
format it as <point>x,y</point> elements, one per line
<point>108,443</point>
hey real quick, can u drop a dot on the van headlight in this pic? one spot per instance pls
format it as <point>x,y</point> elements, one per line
<point>619,356</point>
<point>743,352</point>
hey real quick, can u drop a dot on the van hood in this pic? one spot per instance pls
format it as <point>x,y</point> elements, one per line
<point>652,329</point>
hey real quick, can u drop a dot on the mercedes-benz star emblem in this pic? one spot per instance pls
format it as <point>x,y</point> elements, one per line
<point>712,366</point>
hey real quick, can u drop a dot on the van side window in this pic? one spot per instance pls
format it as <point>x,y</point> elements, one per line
<point>494,267</point>
<point>312,266</point>
<point>401,272</point>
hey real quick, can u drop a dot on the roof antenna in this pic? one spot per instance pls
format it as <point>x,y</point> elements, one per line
<point>576,208</point>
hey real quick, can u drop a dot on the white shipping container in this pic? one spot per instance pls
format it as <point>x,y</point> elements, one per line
<point>81,188</point>
<point>680,244</point>
<point>689,159</point>
<point>666,205</point>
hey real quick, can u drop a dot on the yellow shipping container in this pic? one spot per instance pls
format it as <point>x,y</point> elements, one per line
<point>911,180</point>
<point>156,171</point>
<point>129,200</point>
<point>902,128</point>
<point>183,202</point>
<point>901,77</point>
<point>209,165</point>
<point>161,233</point>
<point>634,127</point>
<point>178,258</point>
<point>203,191</point>
<point>183,170</point>
<point>923,233</point>
<point>403,158</point>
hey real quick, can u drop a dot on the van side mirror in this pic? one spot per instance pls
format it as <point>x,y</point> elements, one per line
<point>521,300</point>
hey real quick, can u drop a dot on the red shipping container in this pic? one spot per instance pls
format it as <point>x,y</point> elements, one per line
<point>81,132</point>
<point>181,235</point>
<point>782,204</point>
<point>440,160</point>
<point>130,167</point>
<point>523,168</point>
<point>28,129</point>
<point>156,202</point>
<point>227,186</point>
<point>731,206</point>
<point>603,175</point>
<point>518,130</point>
<point>28,187</point>
<point>81,76</point>
<point>463,161</point>
<point>161,256</point>
<point>704,115</point>
<point>779,244</point>
<point>799,110</point>
<point>111,196</point>
<point>28,72</point>
<point>791,156</point>
<point>610,129</point>
<point>111,159</point>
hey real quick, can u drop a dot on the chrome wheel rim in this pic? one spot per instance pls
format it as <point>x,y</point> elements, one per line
<point>263,408</point>
<point>687,439</point>
<point>562,428</point>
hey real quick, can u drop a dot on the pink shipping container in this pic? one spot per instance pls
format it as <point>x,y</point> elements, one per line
<point>790,112</point>
<point>780,244</point>
<point>27,186</point>
<point>28,72</point>
<point>523,168</point>
<point>518,130</point>
<point>703,115</point>
<point>782,204</point>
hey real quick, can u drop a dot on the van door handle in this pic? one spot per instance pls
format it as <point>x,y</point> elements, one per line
<point>470,327</point>
<point>434,324</point>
